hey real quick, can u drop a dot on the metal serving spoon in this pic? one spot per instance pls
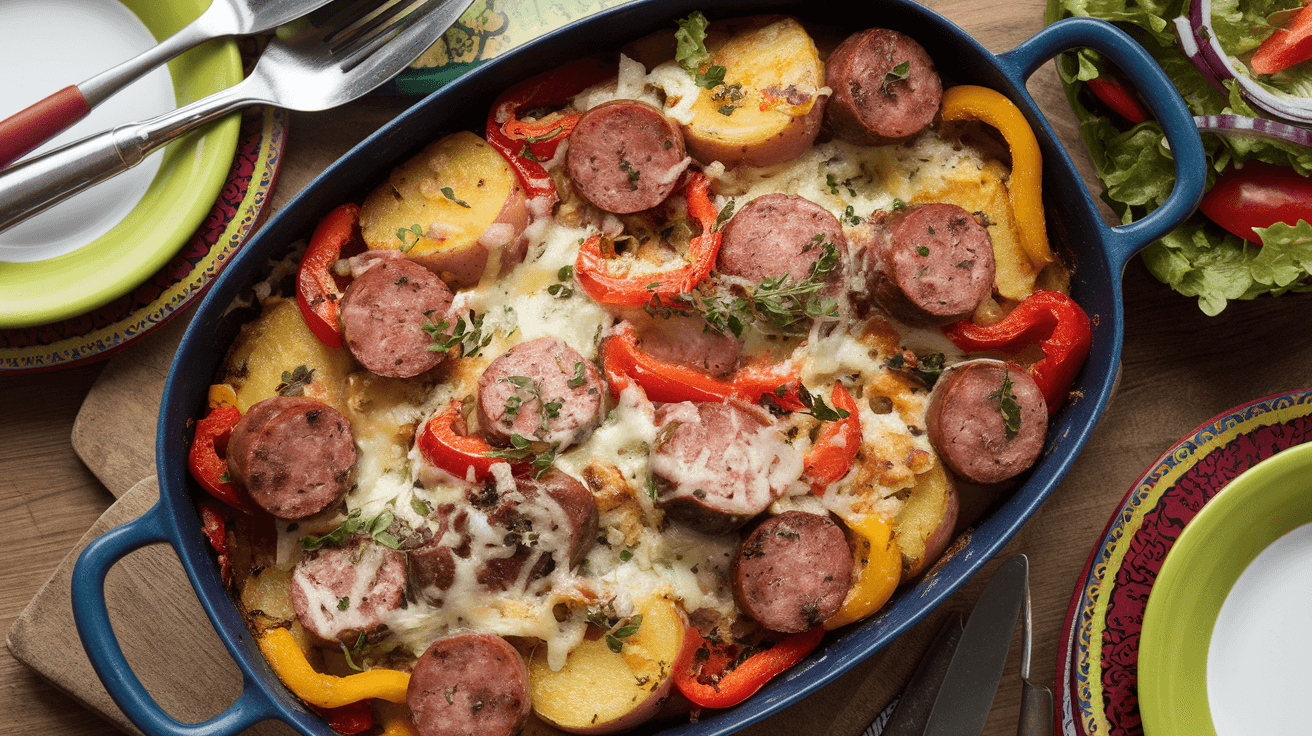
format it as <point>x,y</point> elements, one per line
<point>25,130</point>
<point>350,55</point>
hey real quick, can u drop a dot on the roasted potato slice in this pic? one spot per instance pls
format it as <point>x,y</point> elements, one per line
<point>457,208</point>
<point>768,109</point>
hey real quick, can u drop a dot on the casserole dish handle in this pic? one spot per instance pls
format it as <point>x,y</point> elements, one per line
<point>1154,88</point>
<point>92,617</point>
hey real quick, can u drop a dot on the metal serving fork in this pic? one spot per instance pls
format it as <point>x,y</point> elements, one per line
<point>29,128</point>
<point>350,55</point>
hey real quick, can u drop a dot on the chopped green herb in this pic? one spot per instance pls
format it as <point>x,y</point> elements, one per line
<point>850,217</point>
<point>343,603</point>
<point>727,110</point>
<point>626,555</point>
<point>922,250</point>
<point>631,172</point>
<point>580,376</point>
<point>376,527</point>
<point>450,194</point>
<point>295,381</point>
<point>527,153</point>
<point>403,234</point>
<point>711,78</point>
<point>1007,405</point>
<point>468,336</point>
<point>725,214</point>
<point>225,477</point>
<point>818,408</point>
<point>896,74</point>
<point>690,42</point>
<point>615,640</point>
<point>898,205</point>
<point>350,662</point>
<point>832,181</point>
<point>419,505</point>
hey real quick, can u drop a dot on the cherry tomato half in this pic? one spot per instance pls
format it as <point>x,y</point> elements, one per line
<point>1258,195</point>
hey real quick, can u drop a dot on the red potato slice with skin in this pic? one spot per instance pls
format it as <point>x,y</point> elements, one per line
<point>775,67</point>
<point>457,208</point>
<point>924,526</point>
<point>600,691</point>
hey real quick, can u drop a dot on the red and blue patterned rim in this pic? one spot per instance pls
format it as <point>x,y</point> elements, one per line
<point>99,333</point>
<point>1097,693</point>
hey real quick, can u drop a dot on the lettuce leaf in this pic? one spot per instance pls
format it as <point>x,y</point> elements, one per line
<point>1199,259</point>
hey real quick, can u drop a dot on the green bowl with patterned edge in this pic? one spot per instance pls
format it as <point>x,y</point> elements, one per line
<point>191,173</point>
<point>1255,509</point>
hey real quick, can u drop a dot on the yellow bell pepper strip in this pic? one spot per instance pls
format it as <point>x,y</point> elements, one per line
<point>968,102</point>
<point>666,287</point>
<point>834,450</point>
<point>327,691</point>
<point>1049,318</point>
<point>878,570</point>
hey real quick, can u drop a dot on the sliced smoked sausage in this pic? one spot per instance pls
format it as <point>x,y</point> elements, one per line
<point>792,572</point>
<point>292,455</point>
<point>432,565</point>
<point>469,685</point>
<point>542,390</point>
<point>625,156</point>
<point>690,342</point>
<point>778,234</point>
<point>339,592</point>
<point>967,420</point>
<point>931,264</point>
<point>383,315</point>
<point>876,99</point>
<point>547,521</point>
<point>716,465</point>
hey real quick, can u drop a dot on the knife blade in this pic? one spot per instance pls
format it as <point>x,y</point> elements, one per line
<point>966,695</point>
<point>913,706</point>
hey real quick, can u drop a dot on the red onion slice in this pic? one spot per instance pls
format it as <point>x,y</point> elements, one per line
<point>1198,42</point>
<point>1261,127</point>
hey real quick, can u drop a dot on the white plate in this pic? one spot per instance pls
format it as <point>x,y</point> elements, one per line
<point>51,44</point>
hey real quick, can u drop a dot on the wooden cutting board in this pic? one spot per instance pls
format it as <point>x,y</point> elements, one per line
<point>162,628</point>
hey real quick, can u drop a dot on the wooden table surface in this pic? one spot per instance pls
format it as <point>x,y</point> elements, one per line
<point>1179,369</point>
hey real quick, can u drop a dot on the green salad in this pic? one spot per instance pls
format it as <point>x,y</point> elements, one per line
<point>1200,258</point>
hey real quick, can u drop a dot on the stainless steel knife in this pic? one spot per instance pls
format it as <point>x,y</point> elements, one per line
<point>966,694</point>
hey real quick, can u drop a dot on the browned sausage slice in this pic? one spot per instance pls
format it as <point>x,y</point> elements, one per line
<point>625,156</point>
<point>432,565</point>
<point>383,314</point>
<point>469,685</point>
<point>874,102</point>
<point>542,390</point>
<point>546,520</point>
<point>967,426</point>
<point>932,264</point>
<point>716,466</point>
<point>690,342</point>
<point>293,455</point>
<point>778,234</point>
<point>792,572</point>
<point>339,592</point>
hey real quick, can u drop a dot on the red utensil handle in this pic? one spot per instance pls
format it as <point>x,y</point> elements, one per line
<point>29,128</point>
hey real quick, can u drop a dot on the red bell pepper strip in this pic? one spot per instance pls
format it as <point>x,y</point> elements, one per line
<point>591,273</point>
<point>711,681</point>
<point>215,527</point>
<point>1286,46</point>
<point>836,447</point>
<point>348,719</point>
<point>317,291</point>
<point>1113,94</point>
<point>512,136</point>
<point>206,463</point>
<point>1050,318</point>
<point>623,361</point>
<point>444,444</point>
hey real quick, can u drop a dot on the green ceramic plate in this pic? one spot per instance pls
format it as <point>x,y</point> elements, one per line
<point>1263,504</point>
<point>184,189</point>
